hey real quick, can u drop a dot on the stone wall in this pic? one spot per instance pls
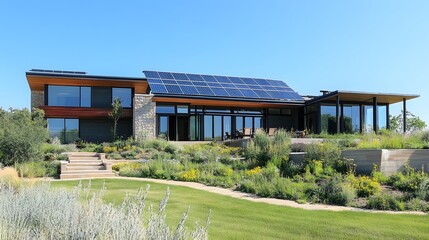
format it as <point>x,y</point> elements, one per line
<point>389,161</point>
<point>37,99</point>
<point>144,122</point>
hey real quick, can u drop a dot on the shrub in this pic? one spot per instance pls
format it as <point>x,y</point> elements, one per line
<point>263,149</point>
<point>408,179</point>
<point>190,175</point>
<point>328,152</point>
<point>39,169</point>
<point>335,190</point>
<point>385,201</point>
<point>52,148</point>
<point>254,171</point>
<point>222,170</point>
<point>21,135</point>
<point>416,204</point>
<point>423,191</point>
<point>366,186</point>
<point>9,177</point>
<point>378,176</point>
<point>132,165</point>
<point>44,213</point>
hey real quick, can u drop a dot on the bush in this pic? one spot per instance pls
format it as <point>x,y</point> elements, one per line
<point>408,179</point>
<point>44,213</point>
<point>39,169</point>
<point>21,135</point>
<point>263,149</point>
<point>365,186</point>
<point>190,175</point>
<point>423,191</point>
<point>378,176</point>
<point>385,201</point>
<point>335,190</point>
<point>416,204</point>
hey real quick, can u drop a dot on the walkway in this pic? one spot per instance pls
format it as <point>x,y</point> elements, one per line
<point>254,198</point>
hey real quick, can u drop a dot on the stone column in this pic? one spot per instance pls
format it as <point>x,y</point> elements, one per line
<point>37,99</point>
<point>144,117</point>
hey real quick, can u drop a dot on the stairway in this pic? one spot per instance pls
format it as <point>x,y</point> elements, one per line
<point>86,165</point>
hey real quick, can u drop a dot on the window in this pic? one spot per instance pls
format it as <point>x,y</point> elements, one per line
<point>208,127</point>
<point>163,127</point>
<point>64,96</point>
<point>217,127</point>
<point>68,96</point>
<point>182,109</point>
<point>274,111</point>
<point>165,109</point>
<point>382,117</point>
<point>368,118</point>
<point>85,96</point>
<point>328,119</point>
<point>125,94</point>
<point>67,130</point>
<point>351,118</point>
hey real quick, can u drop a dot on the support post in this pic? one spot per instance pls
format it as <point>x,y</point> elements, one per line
<point>388,117</point>
<point>338,113</point>
<point>361,117</point>
<point>374,115</point>
<point>404,117</point>
<point>305,118</point>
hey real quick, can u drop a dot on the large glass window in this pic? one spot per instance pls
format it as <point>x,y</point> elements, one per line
<point>63,96</point>
<point>125,94</point>
<point>67,130</point>
<point>56,128</point>
<point>258,123</point>
<point>163,127</point>
<point>72,130</point>
<point>183,109</point>
<point>85,96</point>
<point>239,124</point>
<point>165,109</point>
<point>351,118</point>
<point>328,119</point>
<point>227,127</point>
<point>217,123</point>
<point>382,118</point>
<point>194,128</point>
<point>368,118</point>
<point>208,127</point>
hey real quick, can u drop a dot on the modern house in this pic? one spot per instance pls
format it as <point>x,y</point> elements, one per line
<point>194,107</point>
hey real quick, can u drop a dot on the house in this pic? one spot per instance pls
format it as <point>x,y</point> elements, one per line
<point>196,107</point>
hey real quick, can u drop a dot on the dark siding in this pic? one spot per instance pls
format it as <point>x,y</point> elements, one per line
<point>101,97</point>
<point>100,130</point>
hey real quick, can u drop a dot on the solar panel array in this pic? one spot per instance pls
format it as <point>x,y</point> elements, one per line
<point>219,86</point>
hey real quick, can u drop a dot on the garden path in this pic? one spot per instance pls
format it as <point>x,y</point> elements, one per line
<point>254,198</point>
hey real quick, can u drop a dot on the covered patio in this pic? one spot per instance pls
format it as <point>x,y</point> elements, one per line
<point>354,111</point>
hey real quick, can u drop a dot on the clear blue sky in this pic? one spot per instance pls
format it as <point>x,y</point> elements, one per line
<point>379,46</point>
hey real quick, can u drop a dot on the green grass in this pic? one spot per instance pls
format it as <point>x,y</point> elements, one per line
<point>240,219</point>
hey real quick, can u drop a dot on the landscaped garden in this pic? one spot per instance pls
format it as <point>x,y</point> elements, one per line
<point>263,167</point>
<point>241,219</point>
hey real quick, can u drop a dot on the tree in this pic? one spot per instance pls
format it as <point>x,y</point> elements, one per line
<point>414,123</point>
<point>116,113</point>
<point>21,135</point>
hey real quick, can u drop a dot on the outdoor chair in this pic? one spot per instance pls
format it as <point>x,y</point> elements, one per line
<point>247,133</point>
<point>272,131</point>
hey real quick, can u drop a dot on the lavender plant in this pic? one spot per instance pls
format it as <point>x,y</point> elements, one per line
<point>39,212</point>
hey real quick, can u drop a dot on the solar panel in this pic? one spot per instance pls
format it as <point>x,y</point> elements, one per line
<point>174,89</point>
<point>205,91</point>
<point>189,90</point>
<point>220,86</point>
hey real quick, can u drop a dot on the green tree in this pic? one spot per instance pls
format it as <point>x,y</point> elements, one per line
<point>414,123</point>
<point>116,114</point>
<point>21,135</point>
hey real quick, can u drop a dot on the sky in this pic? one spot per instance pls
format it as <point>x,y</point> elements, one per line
<point>366,45</point>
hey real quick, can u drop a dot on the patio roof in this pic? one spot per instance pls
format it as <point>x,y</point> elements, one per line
<point>363,97</point>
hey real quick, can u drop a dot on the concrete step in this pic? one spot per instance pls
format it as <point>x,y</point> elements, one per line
<point>81,153</point>
<point>90,171</point>
<point>85,175</point>
<point>77,158</point>
<point>85,162</point>
<point>85,167</point>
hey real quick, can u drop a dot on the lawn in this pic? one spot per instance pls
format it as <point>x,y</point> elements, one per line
<point>240,219</point>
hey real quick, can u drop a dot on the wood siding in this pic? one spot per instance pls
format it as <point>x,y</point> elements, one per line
<point>78,112</point>
<point>38,83</point>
